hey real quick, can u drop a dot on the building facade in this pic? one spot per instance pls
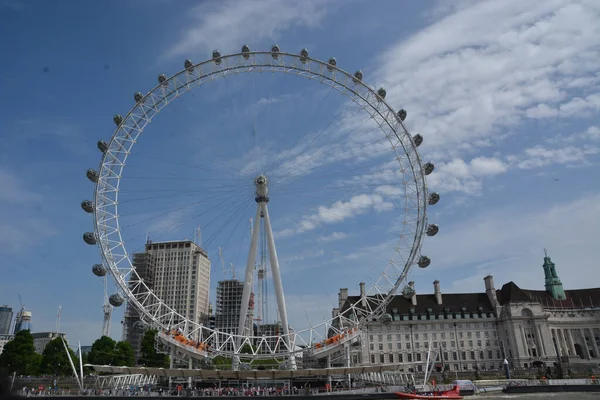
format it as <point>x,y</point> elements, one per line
<point>6,315</point>
<point>178,272</point>
<point>41,339</point>
<point>23,321</point>
<point>5,339</point>
<point>228,306</point>
<point>133,326</point>
<point>477,331</point>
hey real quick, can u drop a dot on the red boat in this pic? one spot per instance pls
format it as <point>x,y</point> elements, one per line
<point>453,394</point>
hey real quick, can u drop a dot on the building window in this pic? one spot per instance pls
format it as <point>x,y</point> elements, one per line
<point>372,358</point>
<point>382,358</point>
<point>399,345</point>
<point>481,355</point>
<point>454,356</point>
<point>491,354</point>
<point>372,347</point>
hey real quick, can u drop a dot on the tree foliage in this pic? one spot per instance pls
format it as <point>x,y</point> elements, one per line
<point>19,355</point>
<point>55,361</point>
<point>149,357</point>
<point>105,351</point>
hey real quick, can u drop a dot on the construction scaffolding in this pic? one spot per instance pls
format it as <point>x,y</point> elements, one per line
<point>228,306</point>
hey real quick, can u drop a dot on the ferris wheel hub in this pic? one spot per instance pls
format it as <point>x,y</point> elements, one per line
<point>262,189</point>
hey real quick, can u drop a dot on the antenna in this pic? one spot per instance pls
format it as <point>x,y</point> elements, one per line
<point>58,320</point>
<point>199,236</point>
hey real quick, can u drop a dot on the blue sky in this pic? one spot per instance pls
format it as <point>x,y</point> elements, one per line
<point>506,95</point>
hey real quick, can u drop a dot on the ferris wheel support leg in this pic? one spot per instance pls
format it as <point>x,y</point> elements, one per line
<point>277,283</point>
<point>247,285</point>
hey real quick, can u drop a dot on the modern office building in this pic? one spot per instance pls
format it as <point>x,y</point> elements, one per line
<point>23,321</point>
<point>6,315</point>
<point>178,272</point>
<point>478,330</point>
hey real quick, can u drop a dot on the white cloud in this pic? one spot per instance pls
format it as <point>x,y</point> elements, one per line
<point>338,212</point>
<point>229,24</point>
<point>540,156</point>
<point>334,236</point>
<point>488,66</point>
<point>508,244</point>
<point>460,176</point>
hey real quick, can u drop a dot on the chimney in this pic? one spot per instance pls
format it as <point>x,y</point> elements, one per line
<point>437,292</point>
<point>491,291</point>
<point>342,296</point>
<point>363,294</point>
<point>335,312</point>
<point>413,299</point>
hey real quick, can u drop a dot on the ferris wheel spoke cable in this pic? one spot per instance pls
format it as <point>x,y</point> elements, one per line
<point>342,157</point>
<point>239,212</point>
<point>288,166</point>
<point>192,192</point>
<point>175,225</point>
<point>304,131</point>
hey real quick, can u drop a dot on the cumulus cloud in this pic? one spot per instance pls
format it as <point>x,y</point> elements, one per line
<point>228,24</point>
<point>485,66</point>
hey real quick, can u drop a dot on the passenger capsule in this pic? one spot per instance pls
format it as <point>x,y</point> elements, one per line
<point>386,319</point>
<point>87,206</point>
<point>433,198</point>
<point>116,300</point>
<point>89,238</point>
<point>303,55</point>
<point>428,168</point>
<point>217,57</point>
<point>424,262</point>
<point>138,96</point>
<point>331,63</point>
<point>162,79</point>
<point>98,270</point>
<point>432,230</point>
<point>357,76</point>
<point>418,139</point>
<point>118,119</point>
<point>381,93</point>
<point>188,65</point>
<point>402,114</point>
<point>246,52</point>
<point>92,175</point>
<point>102,146</point>
<point>275,51</point>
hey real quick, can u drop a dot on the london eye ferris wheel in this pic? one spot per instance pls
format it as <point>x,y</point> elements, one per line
<point>362,163</point>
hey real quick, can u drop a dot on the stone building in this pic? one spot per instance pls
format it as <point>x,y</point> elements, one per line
<point>478,330</point>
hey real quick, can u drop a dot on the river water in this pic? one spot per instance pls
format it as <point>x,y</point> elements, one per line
<point>538,396</point>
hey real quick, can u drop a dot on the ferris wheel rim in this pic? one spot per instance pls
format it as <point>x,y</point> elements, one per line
<point>278,66</point>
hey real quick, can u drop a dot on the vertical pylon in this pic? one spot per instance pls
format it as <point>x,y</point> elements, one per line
<point>262,212</point>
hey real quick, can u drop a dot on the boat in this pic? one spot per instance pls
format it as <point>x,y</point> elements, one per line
<point>454,394</point>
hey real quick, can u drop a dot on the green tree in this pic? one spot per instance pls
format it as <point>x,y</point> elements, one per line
<point>19,355</point>
<point>55,361</point>
<point>124,355</point>
<point>103,351</point>
<point>149,357</point>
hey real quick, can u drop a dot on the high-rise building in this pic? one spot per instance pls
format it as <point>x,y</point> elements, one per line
<point>133,326</point>
<point>23,321</point>
<point>228,306</point>
<point>6,314</point>
<point>182,277</point>
<point>178,272</point>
